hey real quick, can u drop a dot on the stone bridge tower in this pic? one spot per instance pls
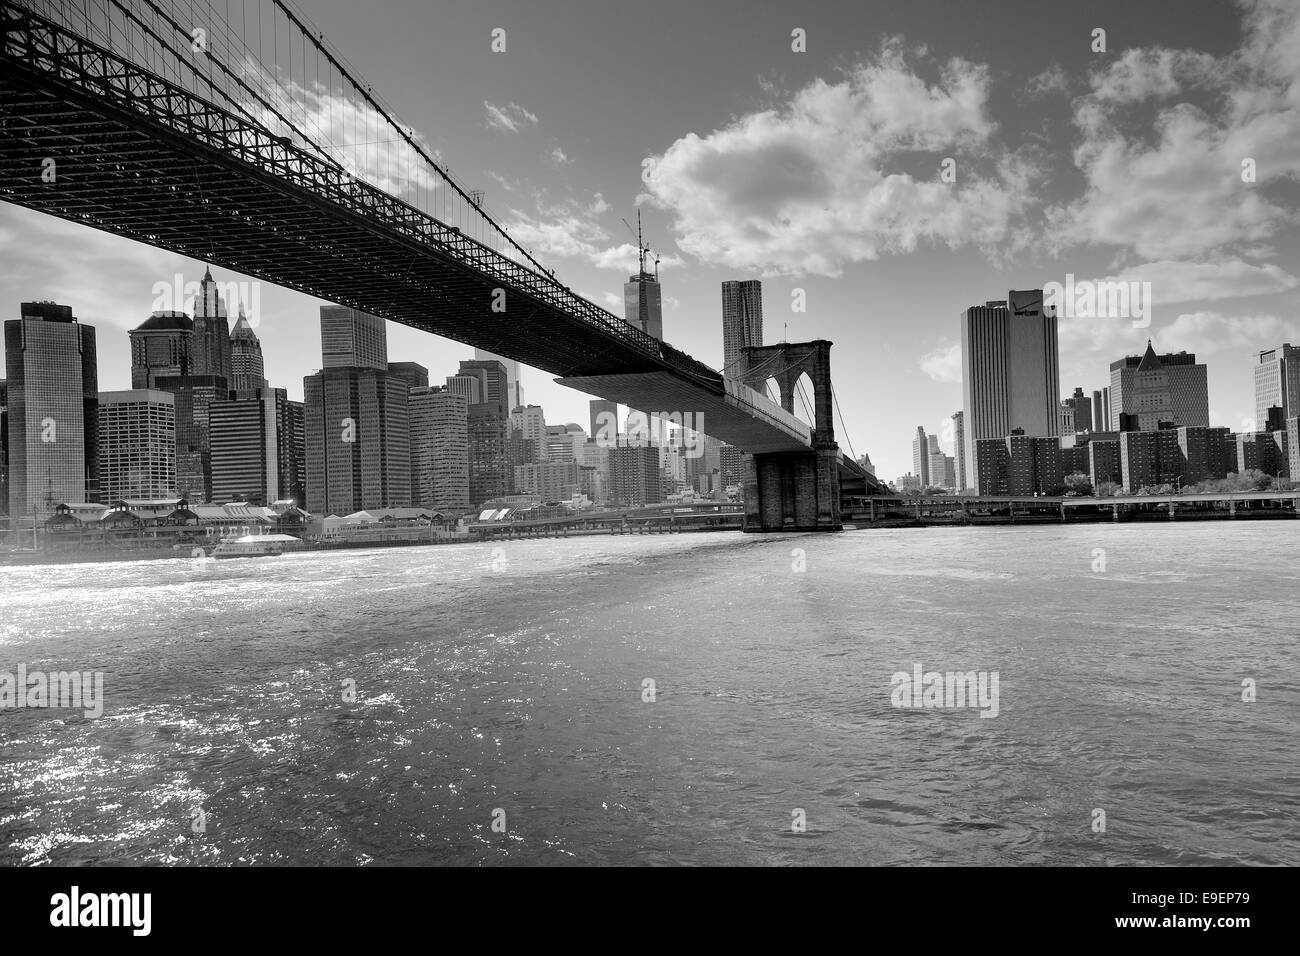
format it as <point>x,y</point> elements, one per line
<point>794,491</point>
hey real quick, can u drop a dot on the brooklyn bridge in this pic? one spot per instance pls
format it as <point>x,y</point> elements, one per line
<point>246,141</point>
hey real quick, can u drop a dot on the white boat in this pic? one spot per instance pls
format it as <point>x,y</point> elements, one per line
<point>256,546</point>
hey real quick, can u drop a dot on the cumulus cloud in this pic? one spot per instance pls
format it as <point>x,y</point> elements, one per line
<point>1214,331</point>
<point>1143,73</point>
<point>50,258</point>
<point>1050,81</point>
<point>559,158</point>
<point>943,363</point>
<point>1087,344</point>
<point>347,128</point>
<point>832,176</point>
<point>567,229</point>
<point>510,118</point>
<point>1169,185</point>
<point>572,229</point>
<point>624,257</point>
<point>1174,281</point>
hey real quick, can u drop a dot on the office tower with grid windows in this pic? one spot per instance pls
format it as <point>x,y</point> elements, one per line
<point>53,410</point>
<point>1010,372</point>
<point>137,444</point>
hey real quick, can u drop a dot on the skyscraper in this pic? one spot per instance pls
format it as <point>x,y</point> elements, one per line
<point>514,385</point>
<point>634,475</point>
<point>413,374</point>
<point>742,321</point>
<point>352,339</point>
<point>1149,389</point>
<point>4,448</point>
<point>643,303</point>
<point>1065,418</point>
<point>494,380</point>
<point>439,449</point>
<point>529,422</point>
<point>604,420</point>
<point>1081,407</point>
<point>53,396</point>
<point>211,348</point>
<point>357,440</point>
<point>468,387</point>
<point>1277,383</point>
<point>921,456</point>
<point>355,419</point>
<point>137,444</point>
<point>162,345</point>
<point>490,472</point>
<point>255,441</point>
<point>1101,409</point>
<point>959,447</point>
<point>247,370</point>
<point>1010,373</point>
<point>194,395</point>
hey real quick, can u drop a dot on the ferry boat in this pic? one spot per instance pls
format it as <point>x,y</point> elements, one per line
<point>256,546</point>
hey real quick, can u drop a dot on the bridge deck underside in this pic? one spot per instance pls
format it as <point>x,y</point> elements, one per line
<point>724,418</point>
<point>163,167</point>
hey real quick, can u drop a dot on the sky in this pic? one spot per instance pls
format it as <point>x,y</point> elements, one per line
<point>820,171</point>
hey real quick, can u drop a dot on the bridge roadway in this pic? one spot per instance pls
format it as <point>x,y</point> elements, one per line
<point>146,157</point>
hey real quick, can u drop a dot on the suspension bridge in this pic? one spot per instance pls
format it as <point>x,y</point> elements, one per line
<point>233,132</point>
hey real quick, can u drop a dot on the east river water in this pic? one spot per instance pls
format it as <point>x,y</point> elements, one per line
<point>511,685</point>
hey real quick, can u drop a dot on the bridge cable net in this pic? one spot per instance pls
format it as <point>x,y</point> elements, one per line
<point>844,428</point>
<point>260,58</point>
<point>265,62</point>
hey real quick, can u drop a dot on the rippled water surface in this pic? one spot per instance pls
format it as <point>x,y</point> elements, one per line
<point>521,689</point>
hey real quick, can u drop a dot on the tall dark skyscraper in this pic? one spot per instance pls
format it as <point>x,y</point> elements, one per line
<point>356,419</point>
<point>643,303</point>
<point>247,370</point>
<point>515,394</point>
<point>4,448</point>
<point>493,377</point>
<point>491,473</point>
<point>352,339</point>
<point>357,441</point>
<point>742,321</point>
<point>413,374</point>
<point>164,355</point>
<point>211,350</point>
<point>1081,405</point>
<point>162,345</point>
<point>604,419</point>
<point>642,296</point>
<point>53,418</point>
<point>256,447</point>
<point>194,396</point>
<point>1010,373</point>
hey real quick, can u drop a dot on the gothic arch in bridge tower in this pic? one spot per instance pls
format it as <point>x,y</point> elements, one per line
<point>794,491</point>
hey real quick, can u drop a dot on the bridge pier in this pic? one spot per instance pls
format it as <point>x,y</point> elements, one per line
<point>794,491</point>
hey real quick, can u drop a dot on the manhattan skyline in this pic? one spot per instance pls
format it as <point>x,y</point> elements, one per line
<point>820,171</point>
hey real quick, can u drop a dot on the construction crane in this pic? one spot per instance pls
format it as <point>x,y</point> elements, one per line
<point>641,248</point>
